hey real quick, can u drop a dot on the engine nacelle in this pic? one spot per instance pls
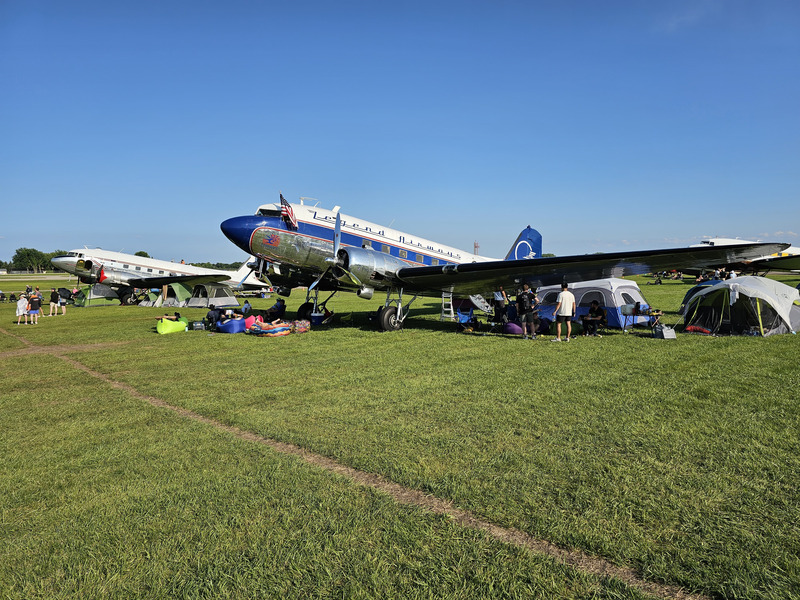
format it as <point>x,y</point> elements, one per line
<point>370,267</point>
<point>89,271</point>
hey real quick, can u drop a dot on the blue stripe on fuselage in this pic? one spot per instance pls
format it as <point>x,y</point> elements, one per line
<point>240,231</point>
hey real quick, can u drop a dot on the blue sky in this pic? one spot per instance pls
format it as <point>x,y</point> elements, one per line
<point>605,125</point>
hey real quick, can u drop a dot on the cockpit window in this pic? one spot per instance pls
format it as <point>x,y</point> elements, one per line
<point>269,212</point>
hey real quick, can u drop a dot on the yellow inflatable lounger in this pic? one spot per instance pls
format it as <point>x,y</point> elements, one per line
<point>170,326</point>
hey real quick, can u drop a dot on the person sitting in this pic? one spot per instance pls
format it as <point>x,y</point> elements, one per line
<point>246,308</point>
<point>595,318</point>
<point>276,311</point>
<point>212,316</point>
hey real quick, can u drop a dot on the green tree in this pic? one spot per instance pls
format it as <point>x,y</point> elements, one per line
<point>142,253</point>
<point>29,259</point>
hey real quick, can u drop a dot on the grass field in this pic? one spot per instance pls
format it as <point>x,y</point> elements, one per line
<point>678,460</point>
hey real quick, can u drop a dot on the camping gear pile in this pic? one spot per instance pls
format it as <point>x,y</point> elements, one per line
<point>252,325</point>
<point>744,306</point>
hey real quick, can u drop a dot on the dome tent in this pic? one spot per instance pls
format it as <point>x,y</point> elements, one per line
<point>612,294</point>
<point>744,306</point>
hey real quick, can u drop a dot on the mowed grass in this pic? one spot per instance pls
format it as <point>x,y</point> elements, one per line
<point>676,457</point>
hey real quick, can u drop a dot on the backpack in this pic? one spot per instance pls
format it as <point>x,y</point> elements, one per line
<point>525,301</point>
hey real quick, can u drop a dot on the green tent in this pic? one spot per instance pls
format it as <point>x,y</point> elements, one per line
<point>96,295</point>
<point>744,306</point>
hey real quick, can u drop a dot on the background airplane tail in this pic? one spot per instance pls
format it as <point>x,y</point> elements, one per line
<point>527,245</point>
<point>244,274</point>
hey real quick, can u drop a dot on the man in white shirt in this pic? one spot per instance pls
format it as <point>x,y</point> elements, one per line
<point>564,312</point>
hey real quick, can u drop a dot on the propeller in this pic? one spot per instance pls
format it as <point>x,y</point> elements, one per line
<point>334,260</point>
<point>337,237</point>
<point>261,266</point>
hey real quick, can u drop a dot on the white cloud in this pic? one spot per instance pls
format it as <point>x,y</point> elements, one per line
<point>778,234</point>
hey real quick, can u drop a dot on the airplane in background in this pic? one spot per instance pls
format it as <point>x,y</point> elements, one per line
<point>787,259</point>
<point>324,250</point>
<point>124,272</point>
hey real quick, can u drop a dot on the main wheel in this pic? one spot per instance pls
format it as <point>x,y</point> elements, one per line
<point>388,319</point>
<point>304,312</point>
<point>126,296</point>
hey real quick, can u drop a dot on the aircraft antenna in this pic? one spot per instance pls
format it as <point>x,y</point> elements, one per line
<point>304,198</point>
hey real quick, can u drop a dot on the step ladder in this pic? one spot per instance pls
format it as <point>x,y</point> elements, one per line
<point>447,307</point>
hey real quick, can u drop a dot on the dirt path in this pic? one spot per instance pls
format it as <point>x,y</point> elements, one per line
<point>574,558</point>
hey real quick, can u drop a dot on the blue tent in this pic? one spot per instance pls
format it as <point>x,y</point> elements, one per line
<point>612,294</point>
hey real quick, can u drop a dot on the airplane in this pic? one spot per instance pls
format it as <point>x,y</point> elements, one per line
<point>124,272</point>
<point>787,259</point>
<point>299,245</point>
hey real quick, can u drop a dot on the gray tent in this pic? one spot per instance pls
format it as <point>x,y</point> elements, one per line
<point>744,306</point>
<point>219,295</point>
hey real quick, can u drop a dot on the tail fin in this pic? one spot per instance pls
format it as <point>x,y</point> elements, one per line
<point>527,245</point>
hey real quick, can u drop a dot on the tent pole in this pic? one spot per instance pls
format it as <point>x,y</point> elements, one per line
<point>758,309</point>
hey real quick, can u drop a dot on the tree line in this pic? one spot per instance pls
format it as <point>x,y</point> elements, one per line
<point>31,260</point>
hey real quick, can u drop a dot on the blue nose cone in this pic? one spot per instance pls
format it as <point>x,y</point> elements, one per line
<point>239,230</point>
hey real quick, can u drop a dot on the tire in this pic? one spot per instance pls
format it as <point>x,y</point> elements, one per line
<point>388,319</point>
<point>305,310</point>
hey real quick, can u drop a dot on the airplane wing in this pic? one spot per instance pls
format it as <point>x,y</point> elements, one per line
<point>483,277</point>
<point>779,263</point>
<point>147,282</point>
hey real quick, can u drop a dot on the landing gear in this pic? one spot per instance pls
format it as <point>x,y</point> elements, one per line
<point>305,310</point>
<point>126,296</point>
<point>388,319</point>
<point>393,313</point>
<point>312,305</point>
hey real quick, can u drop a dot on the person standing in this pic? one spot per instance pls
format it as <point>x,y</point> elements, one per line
<point>500,301</point>
<point>53,303</point>
<point>564,312</point>
<point>22,308</point>
<point>34,307</point>
<point>528,314</point>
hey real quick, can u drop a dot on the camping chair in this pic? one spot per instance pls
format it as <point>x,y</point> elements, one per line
<point>466,320</point>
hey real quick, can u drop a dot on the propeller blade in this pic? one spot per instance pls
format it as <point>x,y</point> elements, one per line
<point>337,236</point>
<point>318,279</point>
<point>241,283</point>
